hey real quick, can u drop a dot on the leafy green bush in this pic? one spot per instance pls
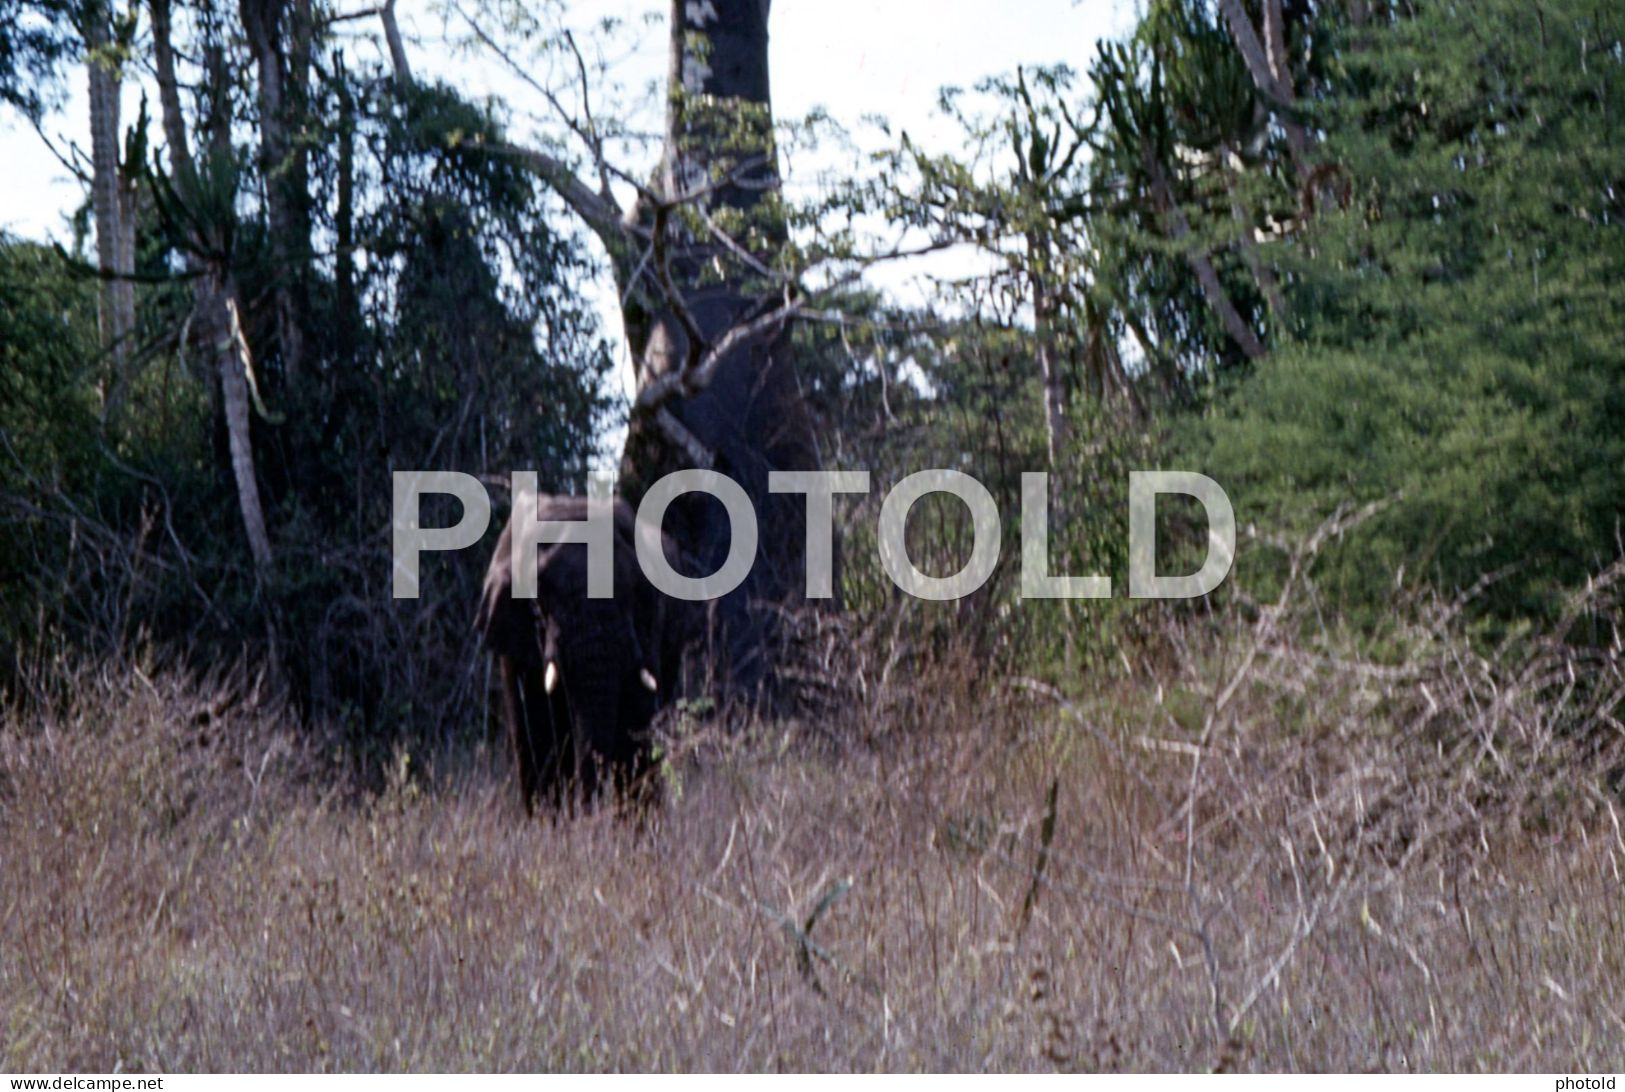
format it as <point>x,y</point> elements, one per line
<point>1457,345</point>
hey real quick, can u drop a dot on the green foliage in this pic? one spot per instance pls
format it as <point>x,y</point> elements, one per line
<point>899,391</point>
<point>48,363</point>
<point>1458,348</point>
<point>442,327</point>
<point>1174,107</point>
<point>463,324</point>
<point>35,37</point>
<point>48,355</point>
<point>457,339</point>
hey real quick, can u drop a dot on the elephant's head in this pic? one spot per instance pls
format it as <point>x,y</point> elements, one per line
<point>582,677</point>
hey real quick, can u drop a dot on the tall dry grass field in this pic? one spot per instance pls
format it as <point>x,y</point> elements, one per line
<point>1266,857</point>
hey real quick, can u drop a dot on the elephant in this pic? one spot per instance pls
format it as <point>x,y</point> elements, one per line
<point>582,678</point>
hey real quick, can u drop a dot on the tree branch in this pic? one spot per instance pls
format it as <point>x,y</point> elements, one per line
<point>601,214</point>
<point>1202,265</point>
<point>594,139</point>
<point>690,380</point>
<point>685,440</point>
<point>1252,50</point>
<point>397,48</point>
<point>587,132</point>
<point>674,298</point>
<point>1269,67</point>
<point>231,355</point>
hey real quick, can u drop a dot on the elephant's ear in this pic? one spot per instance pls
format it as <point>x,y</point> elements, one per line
<point>507,624</point>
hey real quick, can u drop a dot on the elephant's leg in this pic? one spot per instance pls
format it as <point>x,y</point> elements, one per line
<point>517,713</point>
<point>587,766</point>
<point>598,755</point>
<point>545,715</point>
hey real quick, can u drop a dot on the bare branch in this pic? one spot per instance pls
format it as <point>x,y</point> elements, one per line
<point>601,214</point>
<point>586,131</point>
<point>1202,265</point>
<point>674,298</point>
<point>733,246</point>
<point>595,139</point>
<point>532,82</point>
<point>1268,67</point>
<point>397,48</point>
<point>351,16</point>
<point>67,163</point>
<point>679,434</point>
<point>734,176</point>
<point>692,379</point>
<point>598,209</point>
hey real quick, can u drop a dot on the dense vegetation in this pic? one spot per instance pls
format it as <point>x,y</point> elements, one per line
<point>437,320</point>
<point>1357,261</point>
<point>1454,341</point>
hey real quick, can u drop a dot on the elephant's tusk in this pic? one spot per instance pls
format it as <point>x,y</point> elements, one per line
<point>550,680</point>
<point>646,677</point>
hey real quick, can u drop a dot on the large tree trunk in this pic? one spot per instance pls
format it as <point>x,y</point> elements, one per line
<point>748,417</point>
<point>706,316</point>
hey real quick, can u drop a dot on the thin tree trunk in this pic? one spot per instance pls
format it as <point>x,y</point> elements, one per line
<point>344,224</point>
<point>114,258</point>
<point>1268,65</point>
<point>214,298</point>
<point>1044,338</point>
<point>169,99</point>
<point>282,165</point>
<point>1104,360</point>
<point>124,287</point>
<point>233,362</point>
<point>1119,374</point>
<point>397,47</point>
<point>1218,300</point>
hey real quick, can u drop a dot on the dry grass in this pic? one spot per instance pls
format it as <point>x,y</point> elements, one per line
<point>1267,857</point>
